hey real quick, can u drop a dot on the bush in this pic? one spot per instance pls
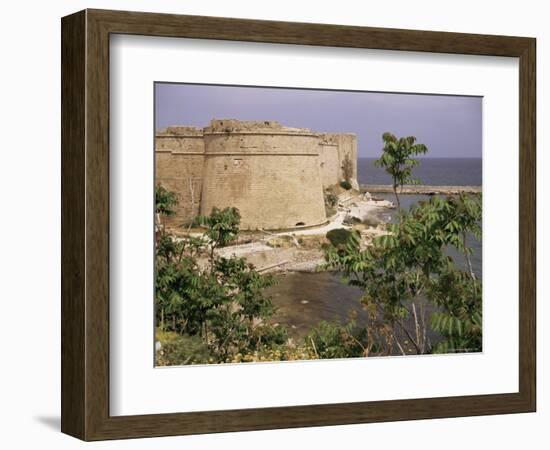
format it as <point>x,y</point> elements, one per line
<point>334,340</point>
<point>331,199</point>
<point>331,202</point>
<point>345,184</point>
<point>181,349</point>
<point>339,236</point>
<point>410,266</point>
<point>351,220</point>
<point>165,201</point>
<point>278,353</point>
<point>213,303</point>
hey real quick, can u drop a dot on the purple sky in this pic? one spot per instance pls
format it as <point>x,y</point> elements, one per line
<point>449,125</point>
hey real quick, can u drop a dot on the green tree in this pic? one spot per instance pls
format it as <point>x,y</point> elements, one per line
<point>397,160</point>
<point>403,269</point>
<point>222,227</point>
<point>165,201</point>
<point>338,236</point>
<point>165,205</point>
<point>201,295</point>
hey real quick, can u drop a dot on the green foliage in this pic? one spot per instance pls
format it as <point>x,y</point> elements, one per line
<point>181,349</point>
<point>331,201</point>
<point>459,318</point>
<point>334,340</point>
<point>397,160</point>
<point>338,236</point>
<point>284,352</point>
<point>351,220</point>
<point>217,301</point>
<point>409,264</point>
<point>222,226</point>
<point>214,309</point>
<point>165,201</point>
<point>345,184</point>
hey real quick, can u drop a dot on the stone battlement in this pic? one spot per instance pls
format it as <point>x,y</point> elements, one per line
<point>275,175</point>
<point>180,131</point>
<point>232,126</point>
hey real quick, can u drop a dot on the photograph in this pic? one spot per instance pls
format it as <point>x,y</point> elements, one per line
<point>305,224</point>
<point>262,225</point>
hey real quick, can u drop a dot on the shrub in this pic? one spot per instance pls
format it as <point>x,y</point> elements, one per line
<point>181,349</point>
<point>331,199</point>
<point>351,220</point>
<point>165,201</point>
<point>334,340</point>
<point>409,266</point>
<point>339,236</point>
<point>345,184</point>
<point>214,303</point>
<point>278,353</point>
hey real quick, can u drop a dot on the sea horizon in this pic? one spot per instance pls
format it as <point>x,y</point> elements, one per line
<point>432,171</point>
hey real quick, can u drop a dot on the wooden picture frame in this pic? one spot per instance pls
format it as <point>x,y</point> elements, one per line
<point>85,224</point>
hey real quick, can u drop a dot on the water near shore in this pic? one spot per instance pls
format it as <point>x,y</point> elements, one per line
<point>305,299</point>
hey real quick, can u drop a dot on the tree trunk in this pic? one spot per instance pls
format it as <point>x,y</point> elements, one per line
<point>396,197</point>
<point>468,259</point>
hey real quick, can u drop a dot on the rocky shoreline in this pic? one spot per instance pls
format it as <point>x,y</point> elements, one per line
<point>301,250</point>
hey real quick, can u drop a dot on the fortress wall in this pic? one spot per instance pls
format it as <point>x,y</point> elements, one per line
<point>275,175</point>
<point>271,175</point>
<point>329,160</point>
<point>329,163</point>
<point>179,159</point>
<point>333,150</point>
<point>347,147</point>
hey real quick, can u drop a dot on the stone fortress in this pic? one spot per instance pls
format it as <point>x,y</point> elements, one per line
<point>274,175</point>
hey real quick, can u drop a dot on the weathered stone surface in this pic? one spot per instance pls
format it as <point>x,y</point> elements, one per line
<point>179,167</point>
<point>274,175</point>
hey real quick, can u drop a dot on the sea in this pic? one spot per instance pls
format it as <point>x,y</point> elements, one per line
<point>430,171</point>
<point>305,299</point>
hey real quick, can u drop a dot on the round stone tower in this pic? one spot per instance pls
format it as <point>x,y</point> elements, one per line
<point>269,172</point>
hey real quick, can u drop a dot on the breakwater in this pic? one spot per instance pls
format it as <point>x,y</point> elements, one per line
<point>421,189</point>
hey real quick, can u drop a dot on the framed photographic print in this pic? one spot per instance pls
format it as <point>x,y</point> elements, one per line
<point>271,225</point>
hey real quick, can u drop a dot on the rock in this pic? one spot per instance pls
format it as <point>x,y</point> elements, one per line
<point>371,220</point>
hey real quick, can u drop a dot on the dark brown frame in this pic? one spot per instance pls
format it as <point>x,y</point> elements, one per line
<point>85,224</point>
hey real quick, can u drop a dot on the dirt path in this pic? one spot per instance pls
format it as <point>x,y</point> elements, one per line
<point>360,209</point>
<point>269,255</point>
